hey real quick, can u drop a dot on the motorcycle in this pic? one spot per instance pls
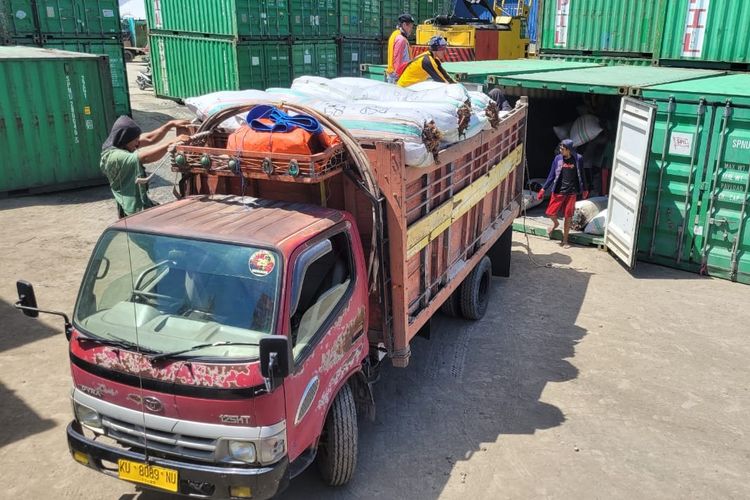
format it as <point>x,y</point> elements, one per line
<point>143,79</point>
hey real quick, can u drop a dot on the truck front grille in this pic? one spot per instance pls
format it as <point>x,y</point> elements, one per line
<point>192,447</point>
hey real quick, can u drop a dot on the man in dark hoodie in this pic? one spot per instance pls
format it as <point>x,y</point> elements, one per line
<point>125,152</point>
<point>566,181</point>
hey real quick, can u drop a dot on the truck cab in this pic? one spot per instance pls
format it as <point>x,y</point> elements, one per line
<point>169,331</point>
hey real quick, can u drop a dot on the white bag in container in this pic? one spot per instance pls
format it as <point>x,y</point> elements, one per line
<point>585,129</point>
<point>563,131</point>
<point>587,210</point>
<point>207,105</point>
<point>598,224</point>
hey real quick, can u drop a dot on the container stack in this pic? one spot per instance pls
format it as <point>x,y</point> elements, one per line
<point>698,34</point>
<point>246,44</point>
<point>90,26</point>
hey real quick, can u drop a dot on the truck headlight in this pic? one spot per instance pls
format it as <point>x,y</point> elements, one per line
<point>272,448</point>
<point>242,450</point>
<point>87,416</point>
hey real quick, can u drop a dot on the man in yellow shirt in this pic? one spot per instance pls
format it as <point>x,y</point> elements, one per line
<point>428,65</point>
<point>399,51</point>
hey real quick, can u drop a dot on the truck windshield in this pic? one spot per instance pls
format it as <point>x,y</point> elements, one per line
<point>167,294</point>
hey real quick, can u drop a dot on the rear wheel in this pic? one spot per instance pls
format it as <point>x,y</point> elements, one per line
<point>452,306</point>
<point>337,448</point>
<point>475,290</point>
<point>129,56</point>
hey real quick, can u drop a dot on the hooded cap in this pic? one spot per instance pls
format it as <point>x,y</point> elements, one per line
<point>123,131</point>
<point>568,144</point>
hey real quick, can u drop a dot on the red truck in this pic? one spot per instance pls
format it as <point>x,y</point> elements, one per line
<point>223,342</point>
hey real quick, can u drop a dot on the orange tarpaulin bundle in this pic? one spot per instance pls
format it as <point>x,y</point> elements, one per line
<point>297,141</point>
<point>270,129</point>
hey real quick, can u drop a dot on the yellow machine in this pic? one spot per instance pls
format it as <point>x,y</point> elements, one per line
<point>480,32</point>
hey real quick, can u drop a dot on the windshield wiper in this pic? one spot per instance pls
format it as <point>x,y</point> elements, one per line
<point>121,343</point>
<point>165,355</point>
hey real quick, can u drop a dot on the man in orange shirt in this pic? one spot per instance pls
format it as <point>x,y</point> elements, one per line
<point>399,51</point>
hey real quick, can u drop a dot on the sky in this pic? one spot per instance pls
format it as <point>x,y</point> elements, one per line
<point>132,8</point>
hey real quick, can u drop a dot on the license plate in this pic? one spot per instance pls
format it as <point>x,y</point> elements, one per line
<point>151,475</point>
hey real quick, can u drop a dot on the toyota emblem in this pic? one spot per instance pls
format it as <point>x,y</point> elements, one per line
<point>152,404</point>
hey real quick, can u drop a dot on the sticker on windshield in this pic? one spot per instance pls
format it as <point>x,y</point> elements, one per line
<point>262,263</point>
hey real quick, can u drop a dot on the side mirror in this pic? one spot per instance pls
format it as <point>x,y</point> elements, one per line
<point>276,360</point>
<point>27,299</point>
<point>27,304</point>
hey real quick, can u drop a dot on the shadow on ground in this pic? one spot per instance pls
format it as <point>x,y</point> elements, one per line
<point>18,420</point>
<point>77,196</point>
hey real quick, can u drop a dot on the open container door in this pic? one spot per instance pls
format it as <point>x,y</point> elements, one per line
<point>634,129</point>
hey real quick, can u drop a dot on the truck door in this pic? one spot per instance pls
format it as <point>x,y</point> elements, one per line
<point>634,130</point>
<point>327,330</point>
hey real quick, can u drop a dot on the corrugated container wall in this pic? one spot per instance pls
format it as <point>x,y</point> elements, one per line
<point>360,18</point>
<point>242,18</point>
<point>429,9</point>
<point>354,53</point>
<point>314,18</point>
<point>64,18</point>
<point>314,58</point>
<point>113,50</point>
<point>611,26</point>
<point>55,112</point>
<point>391,9</point>
<point>707,31</point>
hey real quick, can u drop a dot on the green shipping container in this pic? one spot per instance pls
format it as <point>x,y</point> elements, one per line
<point>696,211</point>
<point>427,9</point>
<point>315,58</point>
<point>354,53</point>
<point>703,31</point>
<point>55,112</point>
<point>610,26</point>
<point>185,66</point>
<point>391,9</point>
<point>113,50</point>
<point>360,18</point>
<point>64,18</point>
<point>237,18</point>
<point>603,60</point>
<point>314,18</point>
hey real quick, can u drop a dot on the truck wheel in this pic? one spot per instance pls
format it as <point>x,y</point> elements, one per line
<point>475,290</point>
<point>129,56</point>
<point>337,448</point>
<point>452,306</point>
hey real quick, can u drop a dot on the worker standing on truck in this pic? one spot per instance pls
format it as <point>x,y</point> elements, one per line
<point>567,182</point>
<point>399,50</point>
<point>122,161</point>
<point>427,65</point>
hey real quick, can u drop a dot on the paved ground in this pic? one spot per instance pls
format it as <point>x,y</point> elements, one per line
<point>583,380</point>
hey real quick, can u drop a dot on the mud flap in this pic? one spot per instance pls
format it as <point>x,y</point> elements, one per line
<point>499,254</point>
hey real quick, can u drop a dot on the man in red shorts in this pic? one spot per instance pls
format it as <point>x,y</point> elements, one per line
<point>567,182</point>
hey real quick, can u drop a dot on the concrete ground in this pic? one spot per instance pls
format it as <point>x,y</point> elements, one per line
<point>583,380</point>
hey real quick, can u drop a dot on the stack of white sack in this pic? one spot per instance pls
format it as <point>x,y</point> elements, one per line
<point>369,109</point>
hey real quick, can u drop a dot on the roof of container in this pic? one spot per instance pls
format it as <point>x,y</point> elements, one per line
<point>39,53</point>
<point>235,219</point>
<point>614,80</point>
<point>470,70</point>
<point>718,89</point>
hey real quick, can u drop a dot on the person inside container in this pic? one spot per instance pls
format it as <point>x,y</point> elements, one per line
<point>427,65</point>
<point>399,51</point>
<point>566,181</point>
<point>502,102</point>
<point>125,152</point>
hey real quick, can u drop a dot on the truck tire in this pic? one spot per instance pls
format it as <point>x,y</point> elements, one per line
<point>337,448</point>
<point>129,56</point>
<point>475,290</point>
<point>452,306</point>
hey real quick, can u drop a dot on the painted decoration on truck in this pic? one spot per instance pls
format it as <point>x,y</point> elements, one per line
<point>561,23</point>
<point>695,28</point>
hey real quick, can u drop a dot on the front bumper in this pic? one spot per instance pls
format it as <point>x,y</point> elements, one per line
<point>205,481</point>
